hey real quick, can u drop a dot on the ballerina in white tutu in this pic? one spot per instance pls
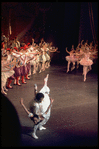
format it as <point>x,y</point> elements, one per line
<point>72,58</point>
<point>86,62</point>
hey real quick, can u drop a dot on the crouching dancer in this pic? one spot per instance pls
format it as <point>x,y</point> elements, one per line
<point>42,108</point>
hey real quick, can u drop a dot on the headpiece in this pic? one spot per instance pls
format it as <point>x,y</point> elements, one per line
<point>16,49</point>
<point>8,49</point>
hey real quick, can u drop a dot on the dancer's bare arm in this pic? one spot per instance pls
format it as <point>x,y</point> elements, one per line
<point>25,107</point>
<point>49,105</point>
<point>67,50</point>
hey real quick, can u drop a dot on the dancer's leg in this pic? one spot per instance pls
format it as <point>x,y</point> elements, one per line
<point>45,88</point>
<point>5,88</point>
<point>46,79</point>
<point>73,67</point>
<point>85,73</point>
<point>34,70</point>
<point>9,83</point>
<point>68,65</point>
<point>77,64</point>
<point>17,80</point>
<point>34,132</point>
<point>2,90</point>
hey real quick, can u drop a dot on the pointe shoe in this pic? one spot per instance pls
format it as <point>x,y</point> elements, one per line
<point>84,79</point>
<point>72,68</point>
<point>42,128</point>
<point>29,74</point>
<point>34,136</point>
<point>4,92</point>
<point>67,70</point>
<point>40,71</point>
<point>18,84</point>
<point>34,72</point>
<point>5,89</point>
<point>8,86</point>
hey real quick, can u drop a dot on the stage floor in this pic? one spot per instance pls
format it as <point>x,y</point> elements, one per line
<point>74,114</point>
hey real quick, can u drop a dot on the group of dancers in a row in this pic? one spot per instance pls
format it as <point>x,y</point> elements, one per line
<point>85,55</point>
<point>16,63</point>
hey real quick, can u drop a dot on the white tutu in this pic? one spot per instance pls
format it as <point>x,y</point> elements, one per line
<point>85,62</point>
<point>72,59</point>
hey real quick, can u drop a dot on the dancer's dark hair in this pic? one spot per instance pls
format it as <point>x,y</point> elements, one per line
<point>39,97</point>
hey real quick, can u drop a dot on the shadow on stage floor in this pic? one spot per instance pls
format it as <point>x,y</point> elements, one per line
<point>74,115</point>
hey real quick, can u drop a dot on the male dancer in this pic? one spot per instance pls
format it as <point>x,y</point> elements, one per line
<point>42,108</point>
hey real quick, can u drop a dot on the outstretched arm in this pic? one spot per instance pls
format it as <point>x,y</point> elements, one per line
<point>35,89</point>
<point>25,107</point>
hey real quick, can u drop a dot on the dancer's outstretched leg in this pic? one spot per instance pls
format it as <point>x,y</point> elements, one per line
<point>45,88</point>
<point>46,79</point>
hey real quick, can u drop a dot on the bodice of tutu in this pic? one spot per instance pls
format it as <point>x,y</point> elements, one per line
<point>87,56</point>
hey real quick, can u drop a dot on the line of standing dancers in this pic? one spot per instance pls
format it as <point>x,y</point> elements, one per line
<point>16,62</point>
<point>85,55</point>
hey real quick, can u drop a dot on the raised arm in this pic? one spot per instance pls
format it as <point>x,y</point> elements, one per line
<point>51,101</point>
<point>35,89</point>
<point>67,50</point>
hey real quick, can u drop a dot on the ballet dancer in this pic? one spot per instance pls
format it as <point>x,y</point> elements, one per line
<point>43,58</point>
<point>71,59</point>
<point>6,72</point>
<point>10,59</point>
<point>42,108</point>
<point>86,62</point>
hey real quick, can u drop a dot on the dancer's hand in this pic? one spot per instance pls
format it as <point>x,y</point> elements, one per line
<point>52,100</point>
<point>35,87</point>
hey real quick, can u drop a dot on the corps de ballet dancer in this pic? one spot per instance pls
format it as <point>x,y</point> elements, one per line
<point>72,58</point>
<point>6,72</point>
<point>34,61</point>
<point>10,60</point>
<point>86,55</point>
<point>43,58</point>
<point>42,108</point>
<point>86,62</point>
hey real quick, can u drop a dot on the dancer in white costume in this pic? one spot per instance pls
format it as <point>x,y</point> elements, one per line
<point>42,108</point>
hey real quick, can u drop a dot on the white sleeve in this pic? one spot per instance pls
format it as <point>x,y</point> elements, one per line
<point>30,115</point>
<point>16,55</point>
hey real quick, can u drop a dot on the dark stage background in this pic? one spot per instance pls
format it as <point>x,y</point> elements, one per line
<point>63,23</point>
